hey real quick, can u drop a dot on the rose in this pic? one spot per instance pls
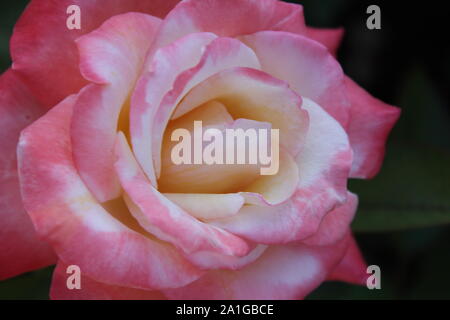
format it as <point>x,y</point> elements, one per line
<point>94,174</point>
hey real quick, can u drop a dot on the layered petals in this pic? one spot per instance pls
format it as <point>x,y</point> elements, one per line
<point>282,272</point>
<point>335,224</point>
<point>324,164</point>
<point>277,188</point>
<point>221,54</point>
<point>43,49</point>
<point>168,222</point>
<point>111,56</point>
<point>330,38</point>
<point>91,119</point>
<point>196,176</point>
<point>116,51</point>
<point>151,108</point>
<point>208,206</point>
<point>252,94</point>
<point>307,66</point>
<point>229,18</point>
<point>80,230</point>
<point>22,250</point>
<point>371,120</point>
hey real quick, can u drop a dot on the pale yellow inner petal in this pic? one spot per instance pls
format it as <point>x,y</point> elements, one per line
<point>203,178</point>
<point>208,206</point>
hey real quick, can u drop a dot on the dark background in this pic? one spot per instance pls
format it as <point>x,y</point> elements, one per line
<point>402,224</point>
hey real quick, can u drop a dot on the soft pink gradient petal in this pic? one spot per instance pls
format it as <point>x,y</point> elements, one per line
<point>330,38</point>
<point>277,188</point>
<point>94,290</point>
<point>164,219</point>
<point>93,130</point>
<point>21,249</point>
<point>43,48</point>
<point>282,272</point>
<point>80,230</point>
<point>252,94</point>
<point>112,55</point>
<point>168,63</point>
<point>220,54</point>
<point>335,224</point>
<point>352,267</point>
<point>116,51</point>
<point>371,120</point>
<point>229,18</point>
<point>324,164</point>
<point>307,66</point>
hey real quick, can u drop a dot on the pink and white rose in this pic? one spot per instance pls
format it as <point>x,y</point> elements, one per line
<point>91,184</point>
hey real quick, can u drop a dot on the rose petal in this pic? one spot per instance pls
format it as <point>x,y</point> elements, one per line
<point>220,54</point>
<point>207,206</point>
<point>252,94</point>
<point>94,290</point>
<point>116,51</point>
<point>80,230</point>
<point>213,261</point>
<point>168,63</point>
<point>277,188</point>
<point>324,164</point>
<point>159,216</point>
<point>307,66</point>
<point>229,18</point>
<point>21,251</point>
<point>371,120</point>
<point>352,268</point>
<point>330,38</point>
<point>113,54</point>
<point>43,48</point>
<point>210,178</point>
<point>335,224</point>
<point>282,272</point>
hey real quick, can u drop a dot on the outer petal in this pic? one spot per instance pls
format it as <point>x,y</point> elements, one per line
<point>324,164</point>
<point>330,38</point>
<point>94,290</point>
<point>21,250</point>
<point>115,52</point>
<point>112,55</point>
<point>370,123</point>
<point>44,51</point>
<point>352,267</point>
<point>81,231</point>
<point>335,224</point>
<point>282,272</point>
<point>307,66</point>
<point>229,18</point>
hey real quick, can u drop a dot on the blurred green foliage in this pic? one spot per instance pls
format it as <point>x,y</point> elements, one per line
<point>404,213</point>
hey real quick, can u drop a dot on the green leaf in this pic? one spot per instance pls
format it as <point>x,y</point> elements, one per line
<point>411,191</point>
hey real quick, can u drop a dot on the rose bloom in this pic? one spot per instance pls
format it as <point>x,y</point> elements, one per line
<point>85,171</point>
